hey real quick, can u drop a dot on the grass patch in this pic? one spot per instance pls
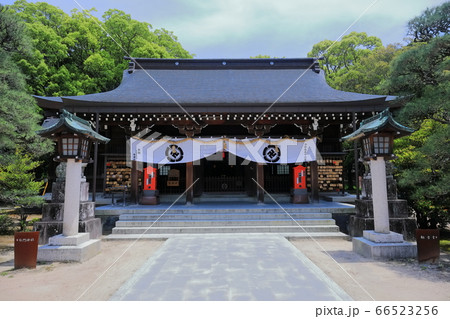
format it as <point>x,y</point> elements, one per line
<point>7,273</point>
<point>445,245</point>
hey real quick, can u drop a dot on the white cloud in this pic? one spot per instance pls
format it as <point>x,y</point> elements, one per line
<point>289,26</point>
<point>241,28</point>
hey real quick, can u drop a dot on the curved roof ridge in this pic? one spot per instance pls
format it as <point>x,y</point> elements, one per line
<point>205,82</point>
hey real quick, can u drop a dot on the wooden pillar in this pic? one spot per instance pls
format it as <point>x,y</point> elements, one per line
<point>260,180</point>
<point>94,181</point>
<point>314,181</point>
<point>134,191</point>
<point>355,155</point>
<point>189,182</point>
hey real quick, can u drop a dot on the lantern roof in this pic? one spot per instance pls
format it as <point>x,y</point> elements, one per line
<point>70,123</point>
<point>381,123</point>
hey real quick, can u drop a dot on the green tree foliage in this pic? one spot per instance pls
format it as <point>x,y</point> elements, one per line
<point>12,37</point>
<point>342,56</point>
<point>423,167</point>
<point>17,183</point>
<point>357,63</point>
<point>80,54</point>
<point>18,186</point>
<point>19,114</point>
<point>431,23</point>
<point>262,56</point>
<point>370,73</point>
<point>423,173</point>
<point>424,71</point>
<point>6,225</point>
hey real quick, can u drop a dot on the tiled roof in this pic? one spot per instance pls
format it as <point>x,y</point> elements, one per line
<point>228,82</point>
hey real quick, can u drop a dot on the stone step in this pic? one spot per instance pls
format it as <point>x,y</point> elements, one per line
<point>225,222</point>
<point>224,229</point>
<point>212,198</point>
<point>224,216</point>
<point>246,199</point>
<point>166,236</point>
<point>215,210</point>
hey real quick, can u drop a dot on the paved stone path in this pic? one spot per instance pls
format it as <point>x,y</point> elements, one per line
<point>229,267</point>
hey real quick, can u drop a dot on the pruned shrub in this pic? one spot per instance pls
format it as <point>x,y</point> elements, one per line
<point>7,225</point>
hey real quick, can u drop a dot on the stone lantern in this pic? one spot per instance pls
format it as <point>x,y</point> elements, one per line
<point>74,137</point>
<point>377,135</point>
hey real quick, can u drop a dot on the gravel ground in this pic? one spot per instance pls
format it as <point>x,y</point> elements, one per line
<point>361,278</point>
<point>73,281</point>
<point>390,280</point>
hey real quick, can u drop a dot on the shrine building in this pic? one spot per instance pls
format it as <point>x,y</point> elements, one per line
<point>260,118</point>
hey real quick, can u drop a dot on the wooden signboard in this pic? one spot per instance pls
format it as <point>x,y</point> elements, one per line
<point>428,249</point>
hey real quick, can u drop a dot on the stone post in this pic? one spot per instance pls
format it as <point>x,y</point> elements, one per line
<point>379,195</point>
<point>72,197</point>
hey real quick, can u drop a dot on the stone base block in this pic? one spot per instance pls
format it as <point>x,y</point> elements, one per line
<point>299,196</point>
<point>58,190</point>
<point>52,212</point>
<point>92,226</point>
<point>47,230</point>
<point>342,220</point>
<point>108,223</point>
<point>391,237</point>
<point>300,199</point>
<point>55,211</point>
<point>398,208</point>
<point>78,253</point>
<point>369,249</point>
<point>61,240</point>
<point>149,200</point>
<point>87,210</point>
<point>405,226</point>
<point>150,193</point>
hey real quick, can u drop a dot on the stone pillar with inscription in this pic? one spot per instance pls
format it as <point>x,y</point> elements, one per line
<point>53,213</point>
<point>400,220</point>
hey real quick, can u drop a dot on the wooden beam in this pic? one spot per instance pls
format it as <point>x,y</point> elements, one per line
<point>260,180</point>
<point>189,182</point>
<point>134,191</point>
<point>314,181</point>
<point>355,158</point>
<point>94,181</point>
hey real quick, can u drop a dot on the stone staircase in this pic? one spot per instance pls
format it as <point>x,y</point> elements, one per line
<point>159,223</point>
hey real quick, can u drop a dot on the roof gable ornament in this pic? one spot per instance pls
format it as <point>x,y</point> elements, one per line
<point>258,130</point>
<point>131,67</point>
<point>190,130</point>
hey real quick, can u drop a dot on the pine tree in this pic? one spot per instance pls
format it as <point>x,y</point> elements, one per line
<point>20,146</point>
<point>19,113</point>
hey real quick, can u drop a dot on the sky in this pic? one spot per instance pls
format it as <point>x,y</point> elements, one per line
<point>278,28</point>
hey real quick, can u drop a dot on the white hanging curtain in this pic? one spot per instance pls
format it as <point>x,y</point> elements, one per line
<point>260,150</point>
